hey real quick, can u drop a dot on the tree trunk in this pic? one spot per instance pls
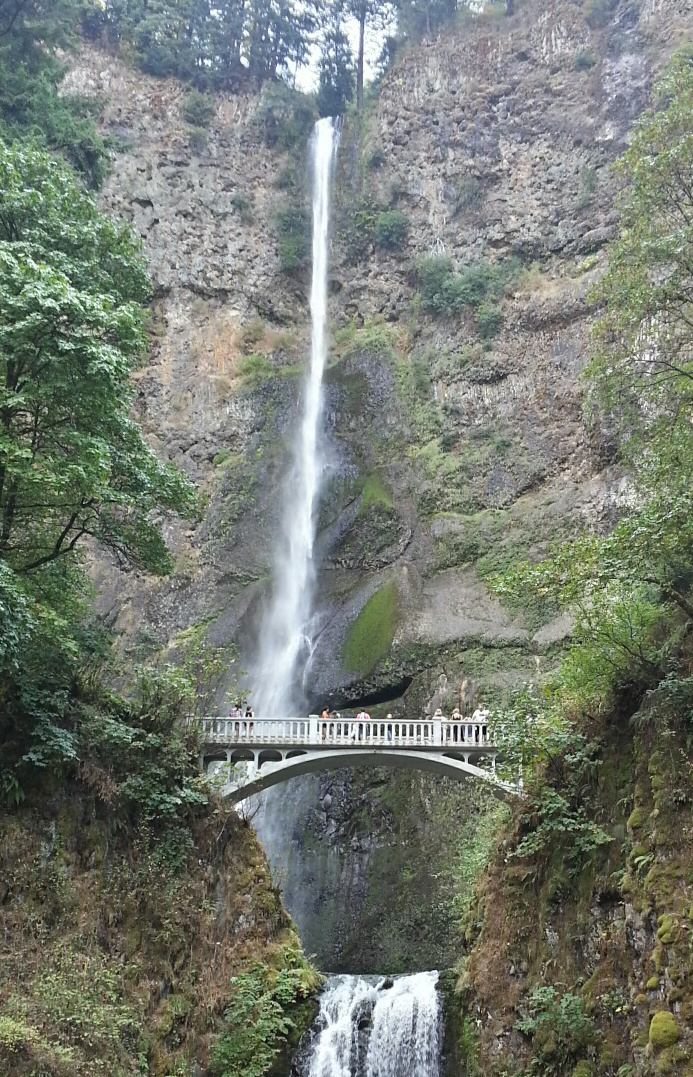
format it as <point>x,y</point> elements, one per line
<point>359,64</point>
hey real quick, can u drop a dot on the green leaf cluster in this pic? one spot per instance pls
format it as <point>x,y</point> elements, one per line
<point>391,229</point>
<point>257,1021</point>
<point>477,288</point>
<point>629,591</point>
<point>213,45</point>
<point>560,1030</point>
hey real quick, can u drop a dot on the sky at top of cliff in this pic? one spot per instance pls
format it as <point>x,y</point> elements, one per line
<point>306,75</point>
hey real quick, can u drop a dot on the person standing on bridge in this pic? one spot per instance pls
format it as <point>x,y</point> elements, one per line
<point>324,718</point>
<point>362,718</point>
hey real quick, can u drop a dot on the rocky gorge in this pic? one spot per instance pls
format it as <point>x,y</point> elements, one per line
<point>456,445</point>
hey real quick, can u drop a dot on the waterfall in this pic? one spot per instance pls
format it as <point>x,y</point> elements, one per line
<point>285,632</point>
<point>367,1028</point>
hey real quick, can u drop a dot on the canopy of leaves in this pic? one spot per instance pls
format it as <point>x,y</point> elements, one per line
<point>73,463</point>
<point>257,1021</point>
<point>213,45</point>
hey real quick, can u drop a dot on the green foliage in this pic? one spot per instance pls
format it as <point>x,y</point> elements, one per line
<point>598,12</point>
<point>356,224</point>
<point>198,109</point>
<point>336,73</point>
<point>214,46</point>
<point>488,319</point>
<point>35,36</point>
<point>444,291</point>
<point>559,1029</point>
<point>285,116</point>
<point>470,192</point>
<point>293,227</point>
<point>255,369</point>
<point>73,463</point>
<point>257,1021</point>
<point>391,229</point>
<point>644,344</point>
<point>584,61</point>
<point>557,762</point>
<point>629,592</point>
<point>376,158</point>
<point>370,636</point>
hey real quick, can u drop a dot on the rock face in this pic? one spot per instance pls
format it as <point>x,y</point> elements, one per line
<point>457,442</point>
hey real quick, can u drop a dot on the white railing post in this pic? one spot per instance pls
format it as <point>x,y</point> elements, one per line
<point>313,737</point>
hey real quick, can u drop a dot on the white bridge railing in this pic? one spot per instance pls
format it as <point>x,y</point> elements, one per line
<point>314,732</point>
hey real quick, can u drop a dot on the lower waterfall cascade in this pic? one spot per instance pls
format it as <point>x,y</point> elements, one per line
<point>377,1027</point>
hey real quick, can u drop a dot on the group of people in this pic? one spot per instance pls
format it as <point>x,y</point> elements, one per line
<point>358,727</point>
<point>237,711</point>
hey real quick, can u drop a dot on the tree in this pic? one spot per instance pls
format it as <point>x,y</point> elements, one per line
<point>73,463</point>
<point>34,34</point>
<point>374,14</point>
<point>643,367</point>
<point>420,18</point>
<point>336,73</point>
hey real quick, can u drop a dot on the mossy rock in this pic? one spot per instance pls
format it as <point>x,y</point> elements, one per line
<point>628,885</point>
<point>636,818</point>
<point>667,929</point>
<point>370,636</point>
<point>664,1030</point>
<point>653,983</point>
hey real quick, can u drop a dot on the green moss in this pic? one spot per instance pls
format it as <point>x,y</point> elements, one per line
<point>222,457</point>
<point>583,1069</point>
<point>370,636</point>
<point>375,493</point>
<point>664,1030</point>
<point>667,929</point>
<point>652,983</point>
<point>255,369</point>
<point>636,818</point>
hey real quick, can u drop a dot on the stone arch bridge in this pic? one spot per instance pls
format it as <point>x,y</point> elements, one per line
<point>248,755</point>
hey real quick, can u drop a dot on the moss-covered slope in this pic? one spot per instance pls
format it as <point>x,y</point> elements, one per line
<point>583,962</point>
<point>114,963</point>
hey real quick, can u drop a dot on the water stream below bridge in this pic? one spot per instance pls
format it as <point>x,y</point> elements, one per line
<point>374,1027</point>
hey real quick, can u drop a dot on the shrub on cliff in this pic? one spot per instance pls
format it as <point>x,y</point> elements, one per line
<point>391,229</point>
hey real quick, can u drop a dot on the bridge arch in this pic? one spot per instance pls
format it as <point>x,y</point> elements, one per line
<point>296,763</point>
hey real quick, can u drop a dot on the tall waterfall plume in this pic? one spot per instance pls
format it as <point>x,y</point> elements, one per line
<point>285,635</point>
<point>366,1029</point>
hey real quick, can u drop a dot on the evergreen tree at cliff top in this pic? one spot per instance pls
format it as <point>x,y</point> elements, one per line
<point>34,35</point>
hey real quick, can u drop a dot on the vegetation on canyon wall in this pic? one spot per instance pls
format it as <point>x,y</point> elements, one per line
<point>139,917</point>
<point>585,913</point>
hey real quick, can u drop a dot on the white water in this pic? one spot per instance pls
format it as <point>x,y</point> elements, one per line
<point>365,1030</point>
<point>285,633</point>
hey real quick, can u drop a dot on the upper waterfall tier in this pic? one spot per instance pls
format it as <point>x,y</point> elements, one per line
<point>285,636</point>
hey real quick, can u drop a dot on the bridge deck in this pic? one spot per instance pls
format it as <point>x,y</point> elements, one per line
<point>431,734</point>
